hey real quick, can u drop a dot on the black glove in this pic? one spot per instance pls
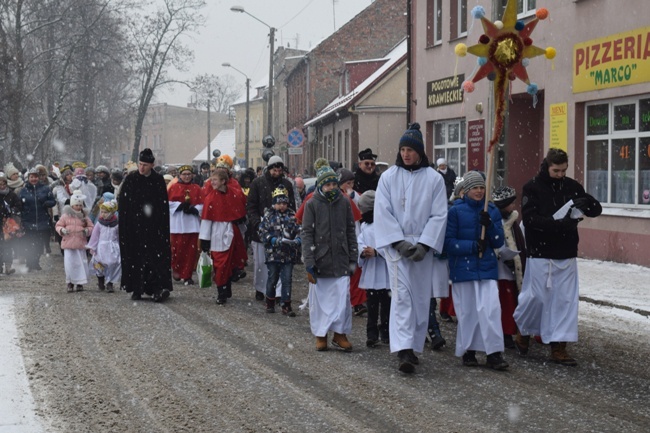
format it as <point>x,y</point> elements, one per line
<point>582,203</point>
<point>568,223</point>
<point>419,251</point>
<point>241,220</point>
<point>191,210</point>
<point>205,245</point>
<point>181,207</point>
<point>510,264</point>
<point>404,248</point>
<point>484,219</point>
<point>481,245</point>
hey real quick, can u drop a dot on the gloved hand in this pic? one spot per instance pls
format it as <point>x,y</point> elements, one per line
<point>440,256</point>
<point>484,219</point>
<point>205,245</point>
<point>86,232</point>
<point>581,203</point>
<point>419,251</point>
<point>404,248</point>
<point>352,266</point>
<point>481,245</point>
<point>191,210</point>
<point>311,274</point>
<point>64,232</point>
<point>181,207</point>
<point>510,264</point>
<point>568,223</point>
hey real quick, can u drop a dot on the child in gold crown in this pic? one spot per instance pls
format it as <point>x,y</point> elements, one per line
<point>105,248</point>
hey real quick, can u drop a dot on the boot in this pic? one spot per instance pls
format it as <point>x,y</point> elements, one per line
<point>229,289</point>
<point>321,343</point>
<point>222,297</point>
<point>270,305</point>
<point>80,288</point>
<point>100,283</point>
<point>406,364</point>
<point>496,361</point>
<point>521,343</point>
<point>286,309</point>
<point>434,327</point>
<point>559,355</point>
<point>70,287</point>
<point>469,359</point>
<point>109,288</point>
<point>341,341</point>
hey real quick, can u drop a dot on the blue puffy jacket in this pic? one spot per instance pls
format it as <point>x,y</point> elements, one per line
<point>36,200</point>
<point>463,232</point>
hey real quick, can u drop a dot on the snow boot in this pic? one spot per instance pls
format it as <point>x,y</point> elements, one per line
<point>321,343</point>
<point>222,298</point>
<point>496,362</point>
<point>522,342</point>
<point>259,296</point>
<point>80,288</point>
<point>110,288</point>
<point>270,305</point>
<point>229,289</point>
<point>469,359</point>
<point>341,341</point>
<point>100,283</point>
<point>405,359</point>
<point>70,287</point>
<point>560,356</point>
<point>286,309</point>
<point>508,342</point>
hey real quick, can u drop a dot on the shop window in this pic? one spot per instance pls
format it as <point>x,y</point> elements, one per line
<point>617,152</point>
<point>449,142</point>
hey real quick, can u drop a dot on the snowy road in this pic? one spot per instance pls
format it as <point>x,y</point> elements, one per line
<point>100,362</point>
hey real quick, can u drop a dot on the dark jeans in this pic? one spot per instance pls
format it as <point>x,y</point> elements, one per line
<point>33,246</point>
<point>378,303</point>
<point>434,326</point>
<point>282,272</point>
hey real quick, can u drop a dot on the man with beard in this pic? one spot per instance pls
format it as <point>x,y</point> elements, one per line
<point>366,178</point>
<point>144,232</point>
<point>259,199</point>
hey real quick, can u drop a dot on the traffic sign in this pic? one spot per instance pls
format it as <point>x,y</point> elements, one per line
<point>295,137</point>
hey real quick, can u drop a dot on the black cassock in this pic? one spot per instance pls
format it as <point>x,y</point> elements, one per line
<point>144,234</point>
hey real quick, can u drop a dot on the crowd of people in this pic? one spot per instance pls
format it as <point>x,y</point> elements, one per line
<point>387,245</point>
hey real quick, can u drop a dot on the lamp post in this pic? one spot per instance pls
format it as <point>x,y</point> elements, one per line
<point>248,82</point>
<point>269,126</point>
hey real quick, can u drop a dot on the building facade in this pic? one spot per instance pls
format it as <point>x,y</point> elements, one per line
<point>593,101</point>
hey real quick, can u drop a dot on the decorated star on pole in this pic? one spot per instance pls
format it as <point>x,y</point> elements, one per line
<point>503,52</point>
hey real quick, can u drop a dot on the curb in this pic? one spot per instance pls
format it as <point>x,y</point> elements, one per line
<point>613,305</point>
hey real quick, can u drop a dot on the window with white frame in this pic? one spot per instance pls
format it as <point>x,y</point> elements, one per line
<point>462,18</point>
<point>434,9</point>
<point>618,151</point>
<point>524,8</point>
<point>450,142</point>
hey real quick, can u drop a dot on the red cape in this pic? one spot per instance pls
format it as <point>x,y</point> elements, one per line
<point>177,192</point>
<point>223,206</point>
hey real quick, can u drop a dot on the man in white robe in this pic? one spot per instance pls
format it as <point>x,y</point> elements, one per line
<point>410,222</point>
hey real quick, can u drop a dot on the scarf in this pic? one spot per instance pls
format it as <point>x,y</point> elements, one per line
<point>14,184</point>
<point>110,222</point>
<point>330,196</point>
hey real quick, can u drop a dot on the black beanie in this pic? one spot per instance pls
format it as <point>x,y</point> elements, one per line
<point>147,156</point>
<point>413,138</point>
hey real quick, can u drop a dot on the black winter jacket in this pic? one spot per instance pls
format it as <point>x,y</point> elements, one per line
<point>542,196</point>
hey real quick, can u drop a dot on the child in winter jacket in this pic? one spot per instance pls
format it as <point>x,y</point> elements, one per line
<point>280,234</point>
<point>374,274</point>
<point>473,272</point>
<point>104,245</point>
<point>329,249</point>
<point>74,227</point>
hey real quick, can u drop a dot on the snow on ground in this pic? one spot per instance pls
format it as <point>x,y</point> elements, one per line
<point>16,403</point>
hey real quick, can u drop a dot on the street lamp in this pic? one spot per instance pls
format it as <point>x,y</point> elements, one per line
<point>269,126</point>
<point>248,82</point>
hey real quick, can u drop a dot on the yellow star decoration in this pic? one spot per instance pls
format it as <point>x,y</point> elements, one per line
<point>503,51</point>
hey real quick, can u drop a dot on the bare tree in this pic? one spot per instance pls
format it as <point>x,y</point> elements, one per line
<point>157,47</point>
<point>219,92</point>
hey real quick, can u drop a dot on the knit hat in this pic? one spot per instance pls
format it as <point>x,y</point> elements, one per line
<point>77,198</point>
<point>146,156</point>
<point>10,169</point>
<point>345,175</point>
<point>275,161</point>
<point>168,178</point>
<point>459,185</point>
<point>90,170</point>
<point>42,170</point>
<point>472,179</point>
<point>503,196</point>
<point>109,206</point>
<point>108,196</point>
<point>103,169</point>
<point>441,161</point>
<point>367,154</point>
<point>280,195</point>
<point>413,138</point>
<point>366,201</point>
<point>324,173</point>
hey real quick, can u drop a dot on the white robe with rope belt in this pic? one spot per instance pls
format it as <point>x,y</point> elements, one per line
<point>411,206</point>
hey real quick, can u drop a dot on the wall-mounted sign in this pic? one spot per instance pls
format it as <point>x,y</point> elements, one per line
<point>613,61</point>
<point>476,145</point>
<point>445,91</point>
<point>558,120</point>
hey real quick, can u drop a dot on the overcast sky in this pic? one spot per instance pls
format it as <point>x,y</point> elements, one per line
<point>240,40</point>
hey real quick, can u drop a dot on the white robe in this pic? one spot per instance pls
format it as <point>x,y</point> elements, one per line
<point>329,306</point>
<point>181,222</point>
<point>411,206</point>
<point>261,271</point>
<point>106,261</point>
<point>374,272</point>
<point>549,299</point>
<point>75,264</point>
<point>478,311</point>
